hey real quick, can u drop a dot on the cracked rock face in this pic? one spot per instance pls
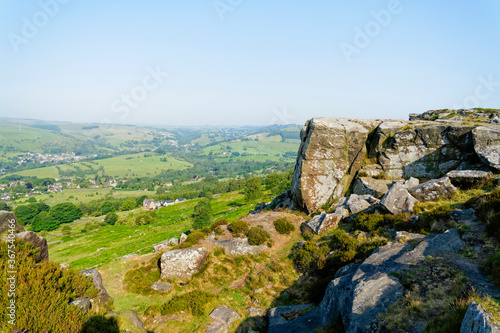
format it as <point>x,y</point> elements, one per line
<point>330,154</point>
<point>182,264</point>
<point>487,145</point>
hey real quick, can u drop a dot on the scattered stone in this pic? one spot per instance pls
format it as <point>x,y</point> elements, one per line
<point>38,241</point>
<point>163,246</point>
<point>301,244</point>
<point>183,238</point>
<point>182,264</point>
<point>398,200</point>
<point>487,145</point>
<point>321,223</point>
<point>255,312</point>
<point>173,241</point>
<point>374,187</point>
<point>478,320</point>
<point>411,182</point>
<point>64,265</point>
<point>434,189</point>
<point>82,303</point>
<point>128,256</point>
<point>467,179</point>
<point>223,318</point>
<point>161,286</point>
<point>359,203</point>
<point>372,170</point>
<point>341,209</point>
<point>240,246</point>
<point>128,321</point>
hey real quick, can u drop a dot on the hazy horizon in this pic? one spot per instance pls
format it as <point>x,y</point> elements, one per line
<point>244,63</point>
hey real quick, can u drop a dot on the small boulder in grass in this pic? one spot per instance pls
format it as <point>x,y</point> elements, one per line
<point>161,286</point>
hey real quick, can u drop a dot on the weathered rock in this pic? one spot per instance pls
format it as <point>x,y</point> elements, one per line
<point>163,246</point>
<point>487,145</point>
<point>441,188</point>
<point>466,179</point>
<point>161,286</point>
<point>223,318</point>
<point>383,134</point>
<point>361,293</point>
<point>282,318</point>
<point>99,303</point>
<point>330,154</point>
<point>173,241</point>
<point>239,246</point>
<point>182,264</point>
<point>411,182</point>
<point>398,200</point>
<point>128,321</point>
<point>64,265</point>
<point>478,320</point>
<point>359,203</point>
<point>255,312</point>
<point>82,303</point>
<point>341,209</point>
<point>429,151</point>
<point>371,186</point>
<point>38,241</point>
<point>183,238</point>
<point>7,219</point>
<point>372,170</point>
<point>321,223</point>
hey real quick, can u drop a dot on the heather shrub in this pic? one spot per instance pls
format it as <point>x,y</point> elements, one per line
<point>193,238</point>
<point>193,302</point>
<point>238,227</point>
<point>140,279</point>
<point>43,293</point>
<point>283,226</point>
<point>143,219</point>
<point>492,266</point>
<point>111,218</point>
<point>258,236</point>
<point>218,223</point>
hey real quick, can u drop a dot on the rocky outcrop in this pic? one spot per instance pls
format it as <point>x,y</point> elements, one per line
<point>487,145</point>
<point>398,200</point>
<point>82,303</point>
<point>360,203</point>
<point>333,151</point>
<point>128,321</point>
<point>240,246</point>
<point>321,223</point>
<point>223,318</point>
<point>434,189</point>
<point>360,294</point>
<point>38,241</point>
<point>478,320</point>
<point>330,154</point>
<point>182,264</point>
<point>284,316</point>
<point>466,179</point>
<point>101,302</point>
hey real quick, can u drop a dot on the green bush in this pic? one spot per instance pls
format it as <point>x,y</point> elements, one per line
<point>143,219</point>
<point>44,221</point>
<point>193,238</point>
<point>218,223</point>
<point>193,302</point>
<point>368,222</point>
<point>218,230</point>
<point>202,214</point>
<point>310,257</point>
<point>111,218</point>
<point>107,207</point>
<point>140,279</point>
<point>283,226</point>
<point>238,227</point>
<point>258,236</point>
<point>127,205</point>
<point>66,212</point>
<point>43,293</point>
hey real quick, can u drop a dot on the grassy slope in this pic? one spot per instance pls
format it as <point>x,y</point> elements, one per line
<point>120,240</point>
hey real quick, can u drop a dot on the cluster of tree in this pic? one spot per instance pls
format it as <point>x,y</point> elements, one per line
<point>110,205</point>
<point>43,217</point>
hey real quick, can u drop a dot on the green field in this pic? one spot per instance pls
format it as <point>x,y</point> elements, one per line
<point>119,166</point>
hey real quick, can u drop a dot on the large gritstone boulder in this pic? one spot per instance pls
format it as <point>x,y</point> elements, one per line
<point>182,264</point>
<point>331,152</point>
<point>487,145</point>
<point>441,188</point>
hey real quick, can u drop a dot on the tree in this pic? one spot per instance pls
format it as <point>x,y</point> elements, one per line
<point>202,214</point>
<point>127,205</point>
<point>31,199</point>
<point>140,200</point>
<point>252,189</point>
<point>66,212</point>
<point>26,213</point>
<point>107,207</point>
<point>4,206</point>
<point>111,218</point>
<point>44,221</point>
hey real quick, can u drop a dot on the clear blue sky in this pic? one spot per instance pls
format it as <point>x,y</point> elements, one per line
<point>263,62</point>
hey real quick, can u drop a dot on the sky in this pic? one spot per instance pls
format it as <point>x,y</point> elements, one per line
<point>242,62</point>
